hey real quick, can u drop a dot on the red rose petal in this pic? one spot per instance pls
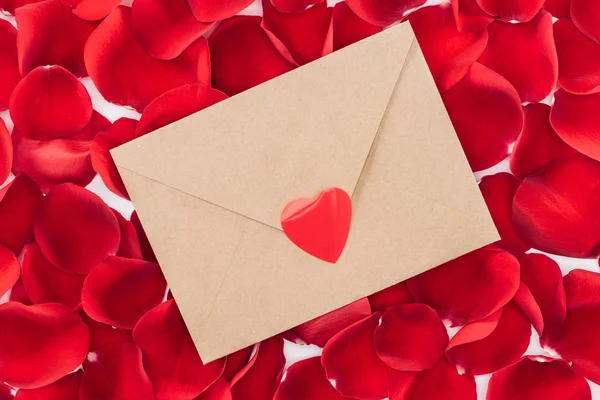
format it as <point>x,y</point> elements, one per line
<point>476,330</point>
<point>538,378</point>
<point>19,295</point>
<point>306,379</point>
<point>261,377</point>
<point>102,335</point>
<point>176,104</point>
<point>147,252</point>
<point>525,55</point>
<point>6,392</point>
<point>119,291</point>
<point>480,97</point>
<point>555,208</point>
<point>242,55</point>
<point>509,10</point>
<point>349,28</point>
<point>448,52</point>
<point>469,16</point>
<point>211,10</point>
<point>383,12</point>
<point>585,15</point>
<point>578,59</point>
<point>300,38</point>
<point>575,120</point>
<point>294,6</point>
<point>45,283</point>
<point>6,152</point>
<point>49,33</point>
<point>40,344</point>
<point>66,388</point>
<point>121,132</point>
<point>9,64</point>
<point>115,372</point>
<point>172,30</point>
<point>9,6</point>
<point>170,357</point>
<point>356,370</point>
<point>217,391</point>
<point>236,361</point>
<point>75,229</point>
<point>470,287</point>
<point>558,8</point>
<point>10,270</point>
<point>502,347</point>
<point>321,329</point>
<point>392,296</point>
<point>441,382</point>
<point>410,337</point>
<point>538,143</point>
<point>17,209</point>
<point>125,74</point>
<point>529,306</point>
<point>130,244</point>
<point>92,10</point>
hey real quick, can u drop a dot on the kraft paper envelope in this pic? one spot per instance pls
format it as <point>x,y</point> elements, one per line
<point>209,190</point>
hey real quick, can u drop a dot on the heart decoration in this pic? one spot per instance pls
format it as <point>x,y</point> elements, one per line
<point>319,226</point>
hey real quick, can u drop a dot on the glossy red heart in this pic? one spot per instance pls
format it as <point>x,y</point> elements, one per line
<point>319,226</point>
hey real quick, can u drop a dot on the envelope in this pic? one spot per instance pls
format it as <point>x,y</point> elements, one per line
<point>209,191</point>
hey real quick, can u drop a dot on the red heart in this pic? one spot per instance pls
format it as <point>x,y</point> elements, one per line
<point>319,226</point>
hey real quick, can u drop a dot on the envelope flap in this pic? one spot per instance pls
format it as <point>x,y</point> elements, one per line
<point>302,132</point>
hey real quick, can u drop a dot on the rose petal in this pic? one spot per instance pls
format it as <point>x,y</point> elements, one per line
<point>480,97</point>
<point>470,287</point>
<point>294,6</point>
<point>211,10</point>
<point>75,229</point>
<point>170,357</point>
<point>538,143</point>
<point>530,308</point>
<point>9,64</point>
<point>102,335</point>
<point>6,152</point>
<point>125,74</point>
<point>147,252</point>
<point>348,28</point>
<point>6,392</point>
<point>45,283</point>
<point>217,391</point>
<point>9,6</point>
<point>555,208</point>
<point>121,132</point>
<point>319,330</point>
<point>306,379</point>
<point>509,10</point>
<point>476,330</point>
<point>300,38</point>
<point>448,52</point>
<point>119,291</point>
<point>40,344</point>
<point>525,55</point>
<point>10,270</point>
<point>129,247</point>
<point>558,8</point>
<point>176,104</point>
<point>585,15</point>
<point>17,209</point>
<point>173,27</point>
<point>236,361</point>
<point>538,378</point>
<point>19,295</point>
<point>392,296</point>
<point>92,10</point>
<point>578,59</point>
<point>242,55</point>
<point>410,337</point>
<point>66,388</point>
<point>49,33</point>
<point>469,16</point>
<point>356,369</point>
<point>115,372</point>
<point>383,12</point>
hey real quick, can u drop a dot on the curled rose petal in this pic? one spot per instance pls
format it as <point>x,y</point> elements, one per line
<point>75,229</point>
<point>410,337</point>
<point>480,97</point>
<point>9,6</point>
<point>525,55</point>
<point>130,244</point>
<point>448,52</point>
<point>6,152</point>
<point>66,388</point>
<point>558,8</point>
<point>319,330</point>
<point>170,357</point>
<point>538,143</point>
<point>294,6</point>
<point>392,296</point>
<point>92,10</point>
<point>469,16</point>
<point>210,10</point>
<point>585,15</point>
<point>49,34</point>
<point>555,208</point>
<point>349,28</point>
<point>538,378</point>
<point>119,291</point>
<point>306,379</point>
<point>236,361</point>
<point>217,391</point>
<point>102,335</point>
<point>510,10</point>
<point>125,74</point>
<point>10,270</point>
<point>45,283</point>
<point>356,370</point>
<point>40,344</point>
<point>470,287</point>
<point>115,372</point>
<point>383,12</point>
<point>173,27</point>
<point>17,209</point>
<point>578,59</point>
<point>530,308</point>
<point>9,64</point>
<point>50,102</point>
<point>240,41</point>
<point>176,104</point>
